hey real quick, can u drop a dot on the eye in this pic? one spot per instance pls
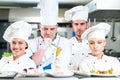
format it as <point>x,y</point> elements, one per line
<point>20,42</point>
<point>82,23</point>
<point>99,42</point>
<point>13,42</point>
<point>52,28</point>
<point>76,24</point>
<point>91,42</point>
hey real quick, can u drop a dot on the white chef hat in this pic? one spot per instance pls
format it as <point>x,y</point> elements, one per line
<point>19,29</point>
<point>76,13</point>
<point>49,12</point>
<point>98,31</point>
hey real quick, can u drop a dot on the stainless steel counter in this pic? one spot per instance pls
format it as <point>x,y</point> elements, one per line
<point>70,78</point>
<point>66,78</point>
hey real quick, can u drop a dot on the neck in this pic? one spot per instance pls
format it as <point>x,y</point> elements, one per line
<point>16,57</point>
<point>100,56</point>
<point>78,38</point>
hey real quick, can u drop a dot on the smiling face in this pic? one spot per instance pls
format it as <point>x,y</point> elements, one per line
<point>48,31</point>
<point>79,26</point>
<point>18,47</point>
<point>97,46</point>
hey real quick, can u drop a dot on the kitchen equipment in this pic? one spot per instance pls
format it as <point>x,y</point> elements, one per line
<point>102,9</point>
<point>113,38</point>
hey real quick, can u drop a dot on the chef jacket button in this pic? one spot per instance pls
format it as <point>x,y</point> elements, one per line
<point>105,60</point>
<point>73,54</point>
<point>18,63</point>
<point>82,53</point>
<point>93,62</point>
<point>73,44</point>
<point>8,62</point>
<point>70,63</point>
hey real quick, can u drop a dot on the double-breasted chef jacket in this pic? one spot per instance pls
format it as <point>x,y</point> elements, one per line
<point>50,59</point>
<point>91,63</point>
<point>8,64</point>
<point>79,51</point>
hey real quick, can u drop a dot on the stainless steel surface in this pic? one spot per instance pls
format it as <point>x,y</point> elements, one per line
<point>67,78</point>
<point>4,14</point>
<point>99,9</point>
<point>104,9</point>
<point>72,3</point>
<point>18,3</point>
<point>33,3</point>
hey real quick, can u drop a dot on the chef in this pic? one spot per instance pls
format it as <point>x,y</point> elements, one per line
<point>80,49</point>
<point>50,51</point>
<point>97,61</point>
<point>17,35</point>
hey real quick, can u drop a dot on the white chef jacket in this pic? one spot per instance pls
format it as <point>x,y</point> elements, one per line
<point>8,64</point>
<point>106,63</point>
<point>50,53</point>
<point>79,51</point>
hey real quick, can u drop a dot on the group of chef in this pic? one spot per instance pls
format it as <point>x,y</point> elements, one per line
<point>82,52</point>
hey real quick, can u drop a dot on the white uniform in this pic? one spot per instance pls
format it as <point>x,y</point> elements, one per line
<point>106,63</point>
<point>79,51</point>
<point>50,54</point>
<point>8,64</point>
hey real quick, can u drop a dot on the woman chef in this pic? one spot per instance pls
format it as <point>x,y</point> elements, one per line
<point>17,35</point>
<point>50,50</point>
<point>97,61</point>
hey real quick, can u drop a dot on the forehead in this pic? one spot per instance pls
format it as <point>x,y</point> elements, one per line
<point>48,26</point>
<point>96,39</point>
<point>17,39</point>
<point>79,21</point>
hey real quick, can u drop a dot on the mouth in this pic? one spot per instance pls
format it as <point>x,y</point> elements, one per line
<point>16,50</point>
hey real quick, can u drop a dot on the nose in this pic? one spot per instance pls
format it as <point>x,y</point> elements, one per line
<point>16,45</point>
<point>79,26</point>
<point>48,32</point>
<point>95,45</point>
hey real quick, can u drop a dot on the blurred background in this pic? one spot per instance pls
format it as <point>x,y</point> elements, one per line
<point>29,10</point>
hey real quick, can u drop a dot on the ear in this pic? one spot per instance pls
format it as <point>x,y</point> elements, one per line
<point>26,46</point>
<point>88,25</point>
<point>104,43</point>
<point>39,26</point>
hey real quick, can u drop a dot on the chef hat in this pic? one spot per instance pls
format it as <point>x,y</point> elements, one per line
<point>76,13</point>
<point>19,29</point>
<point>98,31</point>
<point>49,12</point>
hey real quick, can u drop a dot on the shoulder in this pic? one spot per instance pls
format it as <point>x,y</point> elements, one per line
<point>33,42</point>
<point>62,39</point>
<point>72,38</point>
<point>34,39</point>
<point>110,58</point>
<point>6,58</point>
<point>26,59</point>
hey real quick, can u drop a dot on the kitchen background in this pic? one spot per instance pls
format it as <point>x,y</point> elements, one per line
<point>100,11</point>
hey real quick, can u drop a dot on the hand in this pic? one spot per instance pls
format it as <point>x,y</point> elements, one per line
<point>38,55</point>
<point>46,43</point>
